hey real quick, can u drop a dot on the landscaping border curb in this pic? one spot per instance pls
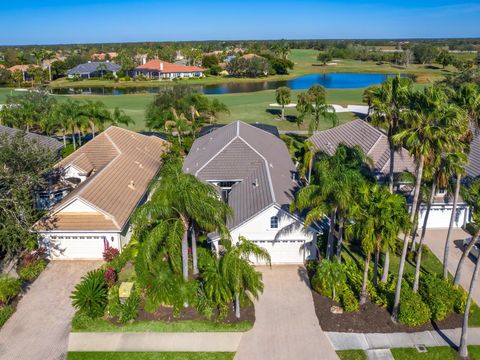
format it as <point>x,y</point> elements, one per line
<point>155,341</point>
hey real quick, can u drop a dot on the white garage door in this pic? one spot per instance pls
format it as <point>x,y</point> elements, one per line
<point>76,247</point>
<point>283,252</point>
<point>439,217</point>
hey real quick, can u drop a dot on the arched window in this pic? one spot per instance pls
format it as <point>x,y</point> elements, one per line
<point>274,222</point>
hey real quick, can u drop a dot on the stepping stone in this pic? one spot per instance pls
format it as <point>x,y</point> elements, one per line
<point>379,354</point>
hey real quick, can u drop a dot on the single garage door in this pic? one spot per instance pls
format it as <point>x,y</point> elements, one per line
<point>283,252</point>
<point>76,247</point>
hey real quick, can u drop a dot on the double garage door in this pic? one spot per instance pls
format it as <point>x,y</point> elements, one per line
<point>285,252</point>
<point>76,247</point>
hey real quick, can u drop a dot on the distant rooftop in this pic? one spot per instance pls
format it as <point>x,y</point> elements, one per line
<point>45,141</point>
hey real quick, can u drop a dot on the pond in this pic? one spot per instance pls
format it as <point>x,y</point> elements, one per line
<point>329,81</point>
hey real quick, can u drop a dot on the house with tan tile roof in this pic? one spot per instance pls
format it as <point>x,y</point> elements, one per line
<point>374,143</point>
<point>159,69</point>
<point>109,177</point>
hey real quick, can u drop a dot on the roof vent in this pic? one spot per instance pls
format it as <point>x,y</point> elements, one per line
<point>255,182</point>
<point>131,185</point>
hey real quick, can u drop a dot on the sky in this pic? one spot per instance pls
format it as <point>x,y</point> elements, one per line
<point>93,21</point>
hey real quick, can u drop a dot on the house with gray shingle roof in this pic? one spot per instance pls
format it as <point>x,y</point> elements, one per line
<point>93,69</point>
<point>41,140</point>
<point>255,175</point>
<point>374,144</point>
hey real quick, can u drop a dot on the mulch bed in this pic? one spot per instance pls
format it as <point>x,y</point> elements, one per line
<point>189,313</point>
<point>371,318</point>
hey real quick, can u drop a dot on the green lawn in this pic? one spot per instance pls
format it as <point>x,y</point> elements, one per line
<point>433,353</point>
<point>150,356</point>
<point>352,355</point>
<point>82,324</point>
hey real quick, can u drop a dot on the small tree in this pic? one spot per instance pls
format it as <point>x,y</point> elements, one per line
<point>283,95</point>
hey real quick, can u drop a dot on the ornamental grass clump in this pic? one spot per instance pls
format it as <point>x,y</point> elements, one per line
<point>9,288</point>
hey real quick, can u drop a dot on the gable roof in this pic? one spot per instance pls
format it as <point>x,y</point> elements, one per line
<point>257,159</point>
<point>167,67</point>
<point>473,167</point>
<point>371,140</point>
<point>92,66</point>
<point>41,140</point>
<point>122,163</point>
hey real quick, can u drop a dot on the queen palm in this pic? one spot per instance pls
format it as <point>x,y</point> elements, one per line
<point>472,197</point>
<point>283,97</point>
<point>68,113</point>
<point>182,196</point>
<point>96,114</point>
<point>239,272</point>
<point>422,135</point>
<point>387,102</point>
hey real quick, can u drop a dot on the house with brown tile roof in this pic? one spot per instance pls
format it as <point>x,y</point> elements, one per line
<point>255,175</point>
<point>374,144</point>
<point>159,69</point>
<point>109,176</point>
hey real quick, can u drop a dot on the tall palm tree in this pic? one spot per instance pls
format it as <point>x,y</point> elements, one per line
<point>96,114</point>
<point>472,197</point>
<point>283,97</point>
<point>68,113</point>
<point>387,102</point>
<point>421,136</point>
<point>468,99</point>
<point>239,272</point>
<point>182,196</point>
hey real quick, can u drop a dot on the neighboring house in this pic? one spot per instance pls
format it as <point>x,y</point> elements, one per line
<point>104,56</point>
<point>42,140</point>
<point>109,176</point>
<point>255,175</point>
<point>374,144</point>
<point>159,69</point>
<point>93,69</point>
<point>24,70</point>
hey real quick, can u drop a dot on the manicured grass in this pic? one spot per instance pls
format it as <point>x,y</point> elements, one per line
<point>433,353</point>
<point>100,325</point>
<point>352,355</point>
<point>150,356</point>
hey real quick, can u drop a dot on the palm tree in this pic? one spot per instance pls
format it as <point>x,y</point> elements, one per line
<point>239,272</point>
<point>283,95</point>
<point>119,117</point>
<point>387,102</point>
<point>468,99</point>
<point>96,114</point>
<point>472,197</point>
<point>421,136</point>
<point>68,113</point>
<point>183,197</point>
<point>49,55</point>
<point>331,190</point>
<point>215,108</point>
<point>313,103</point>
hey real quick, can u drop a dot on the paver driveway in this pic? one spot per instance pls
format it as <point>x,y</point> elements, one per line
<point>40,326</point>
<point>286,326</point>
<point>435,240</point>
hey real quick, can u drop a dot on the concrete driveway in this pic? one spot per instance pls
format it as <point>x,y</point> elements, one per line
<point>40,326</point>
<point>435,240</point>
<point>286,326</point>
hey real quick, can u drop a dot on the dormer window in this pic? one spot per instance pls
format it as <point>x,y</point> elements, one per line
<point>274,222</point>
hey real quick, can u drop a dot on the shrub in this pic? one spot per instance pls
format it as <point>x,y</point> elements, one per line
<point>329,278</point>
<point>114,306</point>
<point>110,276</point>
<point>129,310</point>
<point>110,253</point>
<point>5,313</point>
<point>413,311</point>
<point>460,301</point>
<point>31,271</point>
<point>349,300</point>
<point>9,288</point>
<point>384,293</point>
<point>90,295</point>
<point>439,295</point>
<point>81,322</point>
<point>354,276</point>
